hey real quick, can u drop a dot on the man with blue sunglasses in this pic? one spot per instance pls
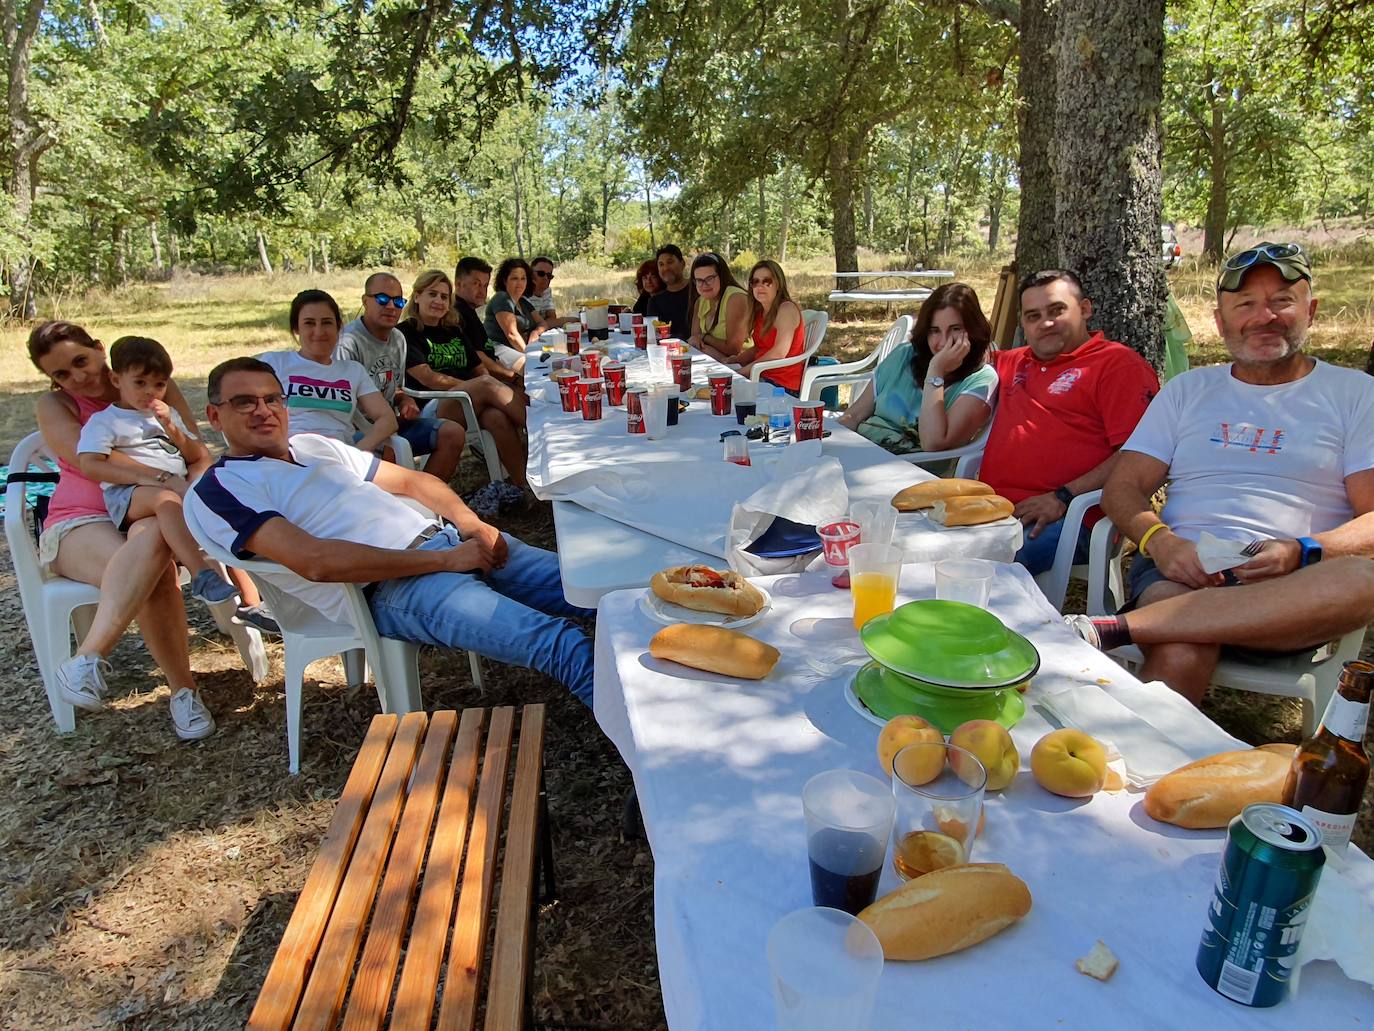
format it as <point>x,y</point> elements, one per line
<point>1273,457</point>
<point>374,341</point>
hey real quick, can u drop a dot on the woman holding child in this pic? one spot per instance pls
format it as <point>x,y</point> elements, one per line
<point>133,569</point>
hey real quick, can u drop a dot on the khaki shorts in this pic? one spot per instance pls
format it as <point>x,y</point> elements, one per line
<point>51,538</point>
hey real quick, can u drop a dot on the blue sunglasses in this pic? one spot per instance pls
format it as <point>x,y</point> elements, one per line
<point>385,299</point>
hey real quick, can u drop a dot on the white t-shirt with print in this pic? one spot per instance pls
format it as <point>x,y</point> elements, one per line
<point>136,434</point>
<point>385,361</point>
<point>320,398</point>
<point>326,490</point>
<point>1259,461</point>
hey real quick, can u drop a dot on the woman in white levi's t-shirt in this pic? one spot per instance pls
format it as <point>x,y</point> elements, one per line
<point>323,392</point>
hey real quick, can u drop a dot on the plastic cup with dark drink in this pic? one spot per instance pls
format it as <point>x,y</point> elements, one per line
<point>634,410</point>
<point>807,417</point>
<point>744,409</point>
<point>591,364</point>
<point>720,392</point>
<point>848,823</point>
<point>837,539</point>
<point>573,331</point>
<point>673,406</point>
<point>641,334</point>
<point>614,375</point>
<point>566,381</point>
<point>590,392</point>
<point>680,366</point>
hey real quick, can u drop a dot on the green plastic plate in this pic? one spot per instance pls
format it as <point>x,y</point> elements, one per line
<point>950,643</point>
<point>884,694</point>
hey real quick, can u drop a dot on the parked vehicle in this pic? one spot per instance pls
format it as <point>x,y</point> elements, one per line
<point>1172,252</point>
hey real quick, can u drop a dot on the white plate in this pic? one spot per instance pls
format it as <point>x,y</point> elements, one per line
<point>929,515</point>
<point>667,613</point>
<point>860,707</point>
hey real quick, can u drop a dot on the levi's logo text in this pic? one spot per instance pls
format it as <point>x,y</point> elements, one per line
<point>1244,436</point>
<point>332,395</point>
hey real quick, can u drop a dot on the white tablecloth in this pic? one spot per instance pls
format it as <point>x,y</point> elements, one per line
<point>719,767</point>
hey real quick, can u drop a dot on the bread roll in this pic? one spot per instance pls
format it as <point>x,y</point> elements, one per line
<point>924,495</point>
<point>704,589</point>
<point>970,511</point>
<point>1212,791</point>
<point>947,910</point>
<point>715,650</point>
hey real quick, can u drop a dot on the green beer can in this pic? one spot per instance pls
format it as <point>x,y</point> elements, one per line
<point>1269,871</point>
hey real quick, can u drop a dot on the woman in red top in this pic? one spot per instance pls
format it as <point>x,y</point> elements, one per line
<point>779,331</point>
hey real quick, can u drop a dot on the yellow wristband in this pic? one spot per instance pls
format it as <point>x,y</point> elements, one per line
<point>1145,538</point>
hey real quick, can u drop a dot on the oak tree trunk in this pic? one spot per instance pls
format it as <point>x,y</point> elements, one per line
<point>840,180</point>
<point>23,143</point>
<point>1110,78</point>
<point>262,253</point>
<point>157,245</point>
<point>786,215</point>
<point>1218,200</point>
<point>649,207</point>
<point>1037,244</point>
<point>763,219</point>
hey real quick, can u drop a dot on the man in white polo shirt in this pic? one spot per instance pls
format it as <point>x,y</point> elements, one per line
<point>1274,451</point>
<point>331,514</point>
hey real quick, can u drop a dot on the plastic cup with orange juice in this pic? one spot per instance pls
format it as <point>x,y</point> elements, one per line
<point>873,573</point>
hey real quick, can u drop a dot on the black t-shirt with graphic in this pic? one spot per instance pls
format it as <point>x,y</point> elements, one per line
<point>448,350</point>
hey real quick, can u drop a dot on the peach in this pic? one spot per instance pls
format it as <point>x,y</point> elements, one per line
<point>1069,762</point>
<point>901,731</point>
<point>993,747</point>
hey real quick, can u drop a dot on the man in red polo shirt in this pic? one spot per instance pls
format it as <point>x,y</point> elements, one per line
<point>1066,402</point>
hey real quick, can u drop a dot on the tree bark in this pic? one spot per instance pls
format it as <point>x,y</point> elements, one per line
<point>786,215</point>
<point>419,234</point>
<point>1218,200</point>
<point>1037,244</point>
<point>649,206</point>
<point>262,253</point>
<point>23,143</point>
<point>997,192</point>
<point>515,181</point>
<point>121,264</point>
<point>763,219</point>
<point>868,210</point>
<point>840,180</point>
<point>157,245</point>
<point>1110,78</point>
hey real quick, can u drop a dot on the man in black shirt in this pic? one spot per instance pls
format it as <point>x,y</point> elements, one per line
<point>670,303</point>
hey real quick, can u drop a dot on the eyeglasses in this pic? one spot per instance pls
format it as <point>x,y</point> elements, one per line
<point>542,274</point>
<point>247,404</point>
<point>384,299</point>
<point>705,280</point>
<point>1288,258</point>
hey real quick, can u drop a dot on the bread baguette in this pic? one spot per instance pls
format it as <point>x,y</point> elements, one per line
<point>715,650</point>
<point>703,589</point>
<point>1212,791</point>
<point>947,910</point>
<point>970,511</point>
<point>924,495</point>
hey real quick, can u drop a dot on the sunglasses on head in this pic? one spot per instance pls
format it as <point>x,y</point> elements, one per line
<point>1288,258</point>
<point>384,299</point>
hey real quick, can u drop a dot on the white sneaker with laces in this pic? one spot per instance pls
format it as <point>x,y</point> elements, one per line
<point>190,717</point>
<point>81,681</point>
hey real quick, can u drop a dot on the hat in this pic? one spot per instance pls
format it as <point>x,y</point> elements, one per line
<point>1288,258</point>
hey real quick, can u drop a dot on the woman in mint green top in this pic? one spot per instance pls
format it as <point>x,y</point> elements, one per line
<point>935,392</point>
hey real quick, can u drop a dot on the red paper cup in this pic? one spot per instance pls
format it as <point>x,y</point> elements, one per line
<point>590,393</point>
<point>574,335</point>
<point>566,381</point>
<point>591,364</point>
<point>641,333</point>
<point>682,371</point>
<point>636,320</point>
<point>721,392</point>
<point>614,374</point>
<point>806,419</point>
<point>837,539</point>
<point>634,410</point>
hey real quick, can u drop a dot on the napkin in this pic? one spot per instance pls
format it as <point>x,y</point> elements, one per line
<point>1217,553</point>
<point>1339,927</point>
<point>799,487</point>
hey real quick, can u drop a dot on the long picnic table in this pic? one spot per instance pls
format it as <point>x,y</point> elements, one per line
<point>866,286</point>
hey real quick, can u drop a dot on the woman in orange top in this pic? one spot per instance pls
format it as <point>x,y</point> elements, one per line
<point>779,331</point>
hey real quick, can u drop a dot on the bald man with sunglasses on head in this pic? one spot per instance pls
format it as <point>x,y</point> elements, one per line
<point>1274,451</point>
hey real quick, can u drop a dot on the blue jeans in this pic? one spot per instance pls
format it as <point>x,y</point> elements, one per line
<point>511,615</point>
<point>1037,554</point>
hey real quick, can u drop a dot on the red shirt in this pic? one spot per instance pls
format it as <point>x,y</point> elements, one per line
<point>789,377</point>
<point>1056,420</point>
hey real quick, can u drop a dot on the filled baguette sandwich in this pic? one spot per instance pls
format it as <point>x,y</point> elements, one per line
<point>971,511</point>
<point>715,650</point>
<point>947,910</point>
<point>1211,791</point>
<point>704,589</point>
<point>924,495</point>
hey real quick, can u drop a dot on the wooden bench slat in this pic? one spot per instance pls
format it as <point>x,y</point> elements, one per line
<point>371,993</point>
<point>458,1010</point>
<point>419,984</point>
<point>511,951</point>
<point>291,966</point>
<point>324,993</point>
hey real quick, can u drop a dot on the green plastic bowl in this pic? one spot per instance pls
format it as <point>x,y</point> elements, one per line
<point>887,694</point>
<point>950,643</point>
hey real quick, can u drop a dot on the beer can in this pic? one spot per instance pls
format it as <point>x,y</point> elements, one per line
<point>1269,872</point>
<point>634,410</point>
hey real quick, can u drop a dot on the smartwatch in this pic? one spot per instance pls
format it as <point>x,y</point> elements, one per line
<point>1064,494</point>
<point>1311,551</point>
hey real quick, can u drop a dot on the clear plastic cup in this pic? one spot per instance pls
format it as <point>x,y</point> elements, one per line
<point>656,412</point>
<point>848,821</point>
<point>876,520</point>
<point>825,965</point>
<point>938,788</point>
<point>658,363</point>
<point>964,579</point>
<point>874,570</point>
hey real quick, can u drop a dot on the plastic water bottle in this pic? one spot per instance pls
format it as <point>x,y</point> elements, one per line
<point>779,418</point>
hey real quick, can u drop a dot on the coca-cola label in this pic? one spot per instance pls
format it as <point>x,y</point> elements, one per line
<point>808,422</point>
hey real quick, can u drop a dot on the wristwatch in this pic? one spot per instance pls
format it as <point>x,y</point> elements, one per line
<point>935,381</point>
<point>164,476</point>
<point>1064,494</point>
<point>1311,551</point>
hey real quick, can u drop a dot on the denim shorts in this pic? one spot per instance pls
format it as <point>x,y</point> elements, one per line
<point>118,497</point>
<point>421,434</point>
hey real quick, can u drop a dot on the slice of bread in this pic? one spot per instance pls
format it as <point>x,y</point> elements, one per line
<point>1100,963</point>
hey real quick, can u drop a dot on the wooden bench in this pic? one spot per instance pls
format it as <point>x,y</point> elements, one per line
<point>424,792</point>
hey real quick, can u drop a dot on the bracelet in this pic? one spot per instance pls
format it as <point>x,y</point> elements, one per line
<point>1145,538</point>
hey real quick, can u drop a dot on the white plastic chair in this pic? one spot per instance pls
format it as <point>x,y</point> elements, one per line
<point>478,440</point>
<point>1309,676</point>
<point>817,377</point>
<point>307,635</point>
<point>972,451</point>
<point>56,608</point>
<point>816,323</point>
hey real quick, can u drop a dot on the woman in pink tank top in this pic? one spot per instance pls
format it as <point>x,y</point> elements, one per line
<point>135,573</point>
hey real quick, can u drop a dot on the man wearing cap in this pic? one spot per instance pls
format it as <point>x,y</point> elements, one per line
<point>1274,451</point>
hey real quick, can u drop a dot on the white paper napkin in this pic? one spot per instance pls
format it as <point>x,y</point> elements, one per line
<point>1148,754</point>
<point>1215,553</point>
<point>1340,927</point>
<point>800,487</point>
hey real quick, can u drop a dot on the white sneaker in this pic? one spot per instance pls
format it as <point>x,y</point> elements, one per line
<point>81,681</point>
<point>190,717</point>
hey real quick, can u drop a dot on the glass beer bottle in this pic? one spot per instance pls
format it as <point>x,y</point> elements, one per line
<point>1330,769</point>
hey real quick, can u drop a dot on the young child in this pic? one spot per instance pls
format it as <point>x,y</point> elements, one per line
<point>142,454</point>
